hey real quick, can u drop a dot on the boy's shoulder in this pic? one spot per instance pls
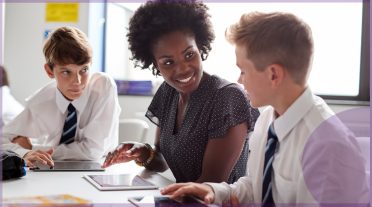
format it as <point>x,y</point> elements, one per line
<point>100,76</point>
<point>101,80</point>
<point>319,112</point>
<point>315,111</point>
<point>43,94</point>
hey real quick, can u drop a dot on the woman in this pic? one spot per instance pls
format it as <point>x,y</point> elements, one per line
<point>203,121</point>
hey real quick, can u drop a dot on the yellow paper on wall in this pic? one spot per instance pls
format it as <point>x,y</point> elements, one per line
<point>62,12</point>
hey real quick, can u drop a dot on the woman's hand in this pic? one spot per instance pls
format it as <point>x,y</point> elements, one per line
<point>126,152</point>
<point>202,191</point>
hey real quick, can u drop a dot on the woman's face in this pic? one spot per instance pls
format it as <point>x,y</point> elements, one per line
<point>177,57</point>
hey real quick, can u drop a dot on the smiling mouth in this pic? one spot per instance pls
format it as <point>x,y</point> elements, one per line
<point>186,80</point>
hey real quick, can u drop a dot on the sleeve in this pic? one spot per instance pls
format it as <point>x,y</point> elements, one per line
<point>332,166</point>
<point>156,109</point>
<point>23,125</point>
<point>231,107</point>
<point>14,148</point>
<point>241,188</point>
<point>101,132</point>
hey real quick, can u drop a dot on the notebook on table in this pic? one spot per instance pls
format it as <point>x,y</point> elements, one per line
<point>70,166</point>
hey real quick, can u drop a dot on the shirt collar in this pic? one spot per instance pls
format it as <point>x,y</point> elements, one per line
<point>79,104</point>
<point>287,121</point>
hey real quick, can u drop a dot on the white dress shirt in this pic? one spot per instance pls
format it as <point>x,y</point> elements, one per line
<point>98,113</point>
<point>315,162</point>
<point>10,106</point>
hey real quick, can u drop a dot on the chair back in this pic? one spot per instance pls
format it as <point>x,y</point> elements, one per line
<point>133,130</point>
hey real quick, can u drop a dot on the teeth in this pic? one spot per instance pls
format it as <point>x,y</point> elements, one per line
<point>185,80</point>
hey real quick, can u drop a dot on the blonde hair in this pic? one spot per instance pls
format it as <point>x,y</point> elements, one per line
<point>275,38</point>
<point>67,45</point>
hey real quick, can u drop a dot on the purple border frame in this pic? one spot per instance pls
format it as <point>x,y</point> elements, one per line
<point>139,1</point>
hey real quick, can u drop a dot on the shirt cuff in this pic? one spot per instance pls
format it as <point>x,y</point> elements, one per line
<point>221,192</point>
<point>21,151</point>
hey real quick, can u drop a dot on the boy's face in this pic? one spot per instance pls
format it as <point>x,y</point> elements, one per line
<point>71,79</point>
<point>256,83</point>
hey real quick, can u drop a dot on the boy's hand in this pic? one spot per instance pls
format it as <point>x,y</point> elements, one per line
<point>24,142</point>
<point>43,157</point>
<point>126,152</point>
<point>202,191</point>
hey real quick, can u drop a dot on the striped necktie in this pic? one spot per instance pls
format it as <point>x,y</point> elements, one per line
<point>272,140</point>
<point>69,128</point>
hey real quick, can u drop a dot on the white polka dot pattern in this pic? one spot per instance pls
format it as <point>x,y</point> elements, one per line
<point>213,108</point>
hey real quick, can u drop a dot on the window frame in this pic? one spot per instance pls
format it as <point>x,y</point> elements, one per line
<point>363,97</point>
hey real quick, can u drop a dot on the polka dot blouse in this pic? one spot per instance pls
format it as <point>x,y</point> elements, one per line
<point>214,107</point>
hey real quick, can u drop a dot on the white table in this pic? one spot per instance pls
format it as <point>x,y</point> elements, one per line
<point>55,183</point>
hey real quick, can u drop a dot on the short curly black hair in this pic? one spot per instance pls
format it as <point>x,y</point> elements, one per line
<point>159,17</point>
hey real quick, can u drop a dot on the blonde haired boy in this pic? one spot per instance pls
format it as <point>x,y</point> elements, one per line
<point>300,154</point>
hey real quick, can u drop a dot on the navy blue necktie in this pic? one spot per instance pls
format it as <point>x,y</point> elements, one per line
<point>69,128</point>
<point>272,140</point>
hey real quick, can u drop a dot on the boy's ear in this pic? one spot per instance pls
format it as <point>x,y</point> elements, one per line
<point>49,71</point>
<point>276,74</point>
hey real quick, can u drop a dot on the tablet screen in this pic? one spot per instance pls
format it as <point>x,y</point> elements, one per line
<point>119,182</point>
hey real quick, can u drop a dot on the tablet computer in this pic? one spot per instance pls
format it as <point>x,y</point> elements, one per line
<point>146,201</point>
<point>70,166</point>
<point>119,182</point>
